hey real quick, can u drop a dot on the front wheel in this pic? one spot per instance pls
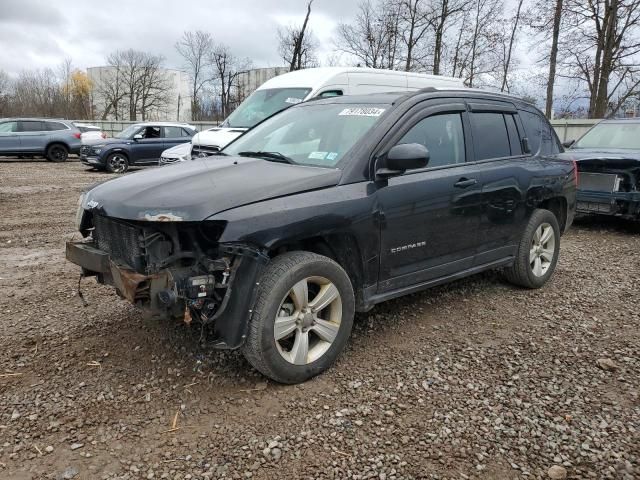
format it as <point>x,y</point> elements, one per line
<point>117,163</point>
<point>538,251</point>
<point>57,153</point>
<point>302,317</point>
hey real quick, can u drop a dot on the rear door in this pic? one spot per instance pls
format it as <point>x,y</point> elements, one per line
<point>33,136</point>
<point>506,171</point>
<point>9,139</point>
<point>148,148</point>
<point>174,135</point>
<point>429,217</point>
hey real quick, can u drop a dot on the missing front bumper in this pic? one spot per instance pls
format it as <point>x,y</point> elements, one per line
<point>229,322</point>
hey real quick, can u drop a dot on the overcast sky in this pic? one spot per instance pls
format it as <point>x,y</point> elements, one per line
<point>42,33</point>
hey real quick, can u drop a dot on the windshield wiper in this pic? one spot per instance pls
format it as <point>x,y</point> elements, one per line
<point>272,156</point>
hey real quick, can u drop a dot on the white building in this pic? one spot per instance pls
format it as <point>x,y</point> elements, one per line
<point>175,107</point>
<point>249,80</point>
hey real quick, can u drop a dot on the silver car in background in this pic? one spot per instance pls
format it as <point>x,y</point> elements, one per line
<point>51,138</point>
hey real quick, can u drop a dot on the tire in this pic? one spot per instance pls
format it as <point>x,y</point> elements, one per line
<point>117,163</point>
<point>326,329</point>
<point>536,260</point>
<point>57,153</point>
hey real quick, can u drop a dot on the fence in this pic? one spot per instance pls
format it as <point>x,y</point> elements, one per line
<point>566,129</point>
<point>572,129</point>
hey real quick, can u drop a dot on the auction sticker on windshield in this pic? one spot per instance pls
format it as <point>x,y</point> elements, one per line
<point>363,112</point>
<point>293,100</point>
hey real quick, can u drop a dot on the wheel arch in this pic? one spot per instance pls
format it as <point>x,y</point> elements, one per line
<point>557,206</point>
<point>341,248</point>
<point>57,142</point>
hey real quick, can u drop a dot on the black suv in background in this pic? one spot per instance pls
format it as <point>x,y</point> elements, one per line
<point>328,208</point>
<point>138,144</point>
<point>53,139</point>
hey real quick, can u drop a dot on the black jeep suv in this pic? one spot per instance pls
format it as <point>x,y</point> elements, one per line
<point>328,208</point>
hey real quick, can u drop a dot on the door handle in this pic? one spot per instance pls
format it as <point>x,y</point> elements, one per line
<point>465,182</point>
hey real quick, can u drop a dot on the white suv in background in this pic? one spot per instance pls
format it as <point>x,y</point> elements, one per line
<point>295,87</point>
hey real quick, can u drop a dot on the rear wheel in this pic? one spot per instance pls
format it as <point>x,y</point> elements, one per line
<point>57,153</point>
<point>117,163</point>
<point>302,317</point>
<point>538,251</point>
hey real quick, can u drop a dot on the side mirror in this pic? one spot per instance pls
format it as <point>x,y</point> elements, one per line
<point>407,156</point>
<point>568,143</point>
<point>137,136</point>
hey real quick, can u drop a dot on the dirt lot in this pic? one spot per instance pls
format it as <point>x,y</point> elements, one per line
<point>473,380</point>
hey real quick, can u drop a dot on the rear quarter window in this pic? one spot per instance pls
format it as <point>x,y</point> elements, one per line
<point>542,139</point>
<point>55,126</point>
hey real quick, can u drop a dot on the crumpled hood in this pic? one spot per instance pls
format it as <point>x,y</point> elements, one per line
<point>193,191</point>
<point>595,153</point>
<point>610,157</point>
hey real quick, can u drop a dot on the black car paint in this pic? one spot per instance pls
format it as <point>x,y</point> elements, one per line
<point>142,151</point>
<point>474,212</point>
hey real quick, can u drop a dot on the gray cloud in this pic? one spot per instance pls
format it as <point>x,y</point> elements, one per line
<point>42,33</point>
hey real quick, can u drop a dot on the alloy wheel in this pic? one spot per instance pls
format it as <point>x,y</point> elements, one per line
<point>308,320</point>
<point>543,247</point>
<point>118,163</point>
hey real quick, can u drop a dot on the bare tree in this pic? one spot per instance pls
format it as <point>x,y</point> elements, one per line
<point>414,26</point>
<point>482,45</point>
<point>5,85</point>
<point>441,14</point>
<point>373,37</point>
<point>154,88</point>
<point>296,44</point>
<point>602,48</point>
<point>553,57</point>
<point>226,68</point>
<point>196,50</point>
<point>137,82</point>
<point>509,48</point>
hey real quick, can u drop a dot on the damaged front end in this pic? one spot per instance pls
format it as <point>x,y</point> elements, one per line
<point>174,269</point>
<point>609,186</point>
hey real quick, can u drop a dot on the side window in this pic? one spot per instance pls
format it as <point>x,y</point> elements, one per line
<point>31,126</point>
<point>173,132</point>
<point>151,132</point>
<point>8,127</point>
<point>186,133</point>
<point>490,137</point>
<point>55,126</point>
<point>542,138</point>
<point>514,138</point>
<point>330,93</point>
<point>442,135</point>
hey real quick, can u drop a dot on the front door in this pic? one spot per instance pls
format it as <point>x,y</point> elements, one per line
<point>148,148</point>
<point>9,139</point>
<point>429,217</point>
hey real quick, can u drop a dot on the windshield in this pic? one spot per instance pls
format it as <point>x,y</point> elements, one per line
<point>611,135</point>
<point>262,104</point>
<point>128,132</point>
<point>312,134</point>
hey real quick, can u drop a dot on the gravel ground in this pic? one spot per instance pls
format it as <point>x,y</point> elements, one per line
<point>476,379</point>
